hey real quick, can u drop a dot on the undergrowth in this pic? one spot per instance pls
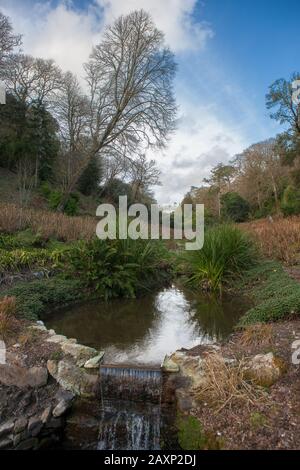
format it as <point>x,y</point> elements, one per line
<point>275,294</point>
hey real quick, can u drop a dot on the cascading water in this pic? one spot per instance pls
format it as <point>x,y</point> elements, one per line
<point>130,408</point>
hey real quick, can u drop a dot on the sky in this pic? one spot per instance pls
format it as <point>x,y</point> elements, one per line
<point>228,53</point>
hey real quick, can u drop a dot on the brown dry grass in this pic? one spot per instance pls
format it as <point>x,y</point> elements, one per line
<point>9,325</point>
<point>278,239</point>
<point>47,224</point>
<point>226,386</point>
<point>257,335</point>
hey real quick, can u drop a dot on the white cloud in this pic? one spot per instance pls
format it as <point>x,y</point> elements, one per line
<point>67,35</point>
<point>200,142</point>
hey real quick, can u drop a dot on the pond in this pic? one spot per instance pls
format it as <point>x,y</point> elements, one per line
<point>144,330</point>
<point>131,412</point>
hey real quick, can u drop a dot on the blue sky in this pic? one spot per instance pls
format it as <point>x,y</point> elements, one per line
<point>228,53</point>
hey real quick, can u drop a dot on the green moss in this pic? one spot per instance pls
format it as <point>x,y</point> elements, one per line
<point>275,294</point>
<point>257,420</point>
<point>190,433</point>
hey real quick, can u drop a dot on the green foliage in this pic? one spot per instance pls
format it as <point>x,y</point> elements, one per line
<point>55,198</point>
<point>190,433</point>
<point>115,268</point>
<point>89,180</point>
<point>27,133</point>
<point>18,259</point>
<point>37,297</point>
<point>234,207</point>
<point>290,204</point>
<point>276,296</point>
<point>227,252</point>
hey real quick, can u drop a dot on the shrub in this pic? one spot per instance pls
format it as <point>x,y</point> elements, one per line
<point>290,204</point>
<point>227,252</point>
<point>115,268</point>
<point>277,238</point>
<point>225,384</point>
<point>35,298</point>
<point>234,207</point>
<point>8,322</point>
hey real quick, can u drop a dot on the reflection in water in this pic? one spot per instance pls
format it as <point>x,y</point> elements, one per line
<point>142,331</point>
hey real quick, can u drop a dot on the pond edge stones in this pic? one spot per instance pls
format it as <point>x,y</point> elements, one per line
<point>75,366</point>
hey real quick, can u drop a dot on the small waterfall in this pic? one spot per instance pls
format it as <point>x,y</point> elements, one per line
<point>130,408</point>
<point>131,383</point>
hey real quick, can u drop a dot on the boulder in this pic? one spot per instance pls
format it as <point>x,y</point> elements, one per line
<point>265,369</point>
<point>169,365</point>
<point>35,425</point>
<point>95,361</point>
<point>79,352</point>
<point>61,408</point>
<point>23,377</point>
<point>56,339</point>
<point>6,428</point>
<point>46,415</point>
<point>28,444</point>
<point>5,443</point>
<point>71,377</point>
<point>20,425</point>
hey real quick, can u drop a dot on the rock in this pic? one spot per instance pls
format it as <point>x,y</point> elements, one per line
<point>52,367</point>
<point>35,425</point>
<point>78,351</point>
<point>62,394</point>
<point>54,423</point>
<point>21,436</point>
<point>51,332</point>
<point>61,408</point>
<point>169,365</point>
<point>20,425</point>
<point>56,339</point>
<point>95,361</point>
<point>22,377</point>
<point>40,322</point>
<point>265,369</point>
<point>38,327</point>
<point>6,428</point>
<point>5,443</point>
<point>46,415</point>
<point>28,444</point>
<point>71,377</point>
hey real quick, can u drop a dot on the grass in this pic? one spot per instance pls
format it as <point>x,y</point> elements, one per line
<point>275,294</point>
<point>225,385</point>
<point>257,335</point>
<point>9,324</point>
<point>45,223</point>
<point>279,239</point>
<point>227,253</point>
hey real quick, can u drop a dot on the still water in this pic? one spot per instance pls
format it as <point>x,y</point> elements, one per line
<point>144,330</point>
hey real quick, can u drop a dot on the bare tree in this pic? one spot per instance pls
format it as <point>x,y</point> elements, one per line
<point>130,78</point>
<point>31,80</point>
<point>71,109</point>
<point>8,40</point>
<point>144,174</point>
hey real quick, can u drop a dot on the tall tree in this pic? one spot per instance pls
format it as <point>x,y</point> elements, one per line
<point>220,180</point>
<point>8,40</point>
<point>130,77</point>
